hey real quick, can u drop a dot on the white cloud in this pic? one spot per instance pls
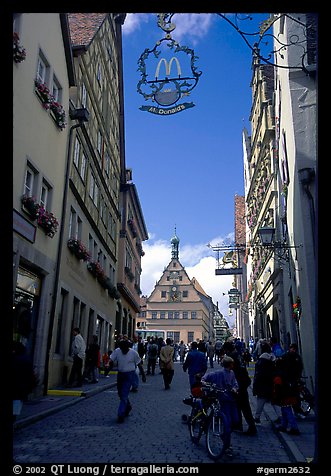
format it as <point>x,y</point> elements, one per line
<point>189,26</point>
<point>192,26</point>
<point>133,22</point>
<point>199,262</point>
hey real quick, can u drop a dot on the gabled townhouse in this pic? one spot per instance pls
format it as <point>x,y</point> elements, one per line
<point>87,295</point>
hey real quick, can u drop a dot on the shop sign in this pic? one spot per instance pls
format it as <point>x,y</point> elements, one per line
<point>22,226</point>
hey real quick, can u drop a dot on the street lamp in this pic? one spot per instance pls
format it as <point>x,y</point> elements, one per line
<point>266,235</point>
<point>280,248</point>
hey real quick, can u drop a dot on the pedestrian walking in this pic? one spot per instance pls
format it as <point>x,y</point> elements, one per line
<point>92,361</point>
<point>24,378</point>
<point>195,363</point>
<point>152,354</point>
<point>125,360</point>
<point>263,379</point>
<point>285,395</point>
<point>182,352</point>
<point>78,348</point>
<point>218,347</point>
<point>210,353</point>
<point>105,363</point>
<point>244,381</point>
<point>166,363</point>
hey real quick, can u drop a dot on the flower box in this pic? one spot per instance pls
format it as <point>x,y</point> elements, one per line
<point>96,270</point>
<point>78,249</point>
<point>19,53</point>
<point>30,206</point>
<point>48,222</point>
<point>59,114</point>
<point>43,93</point>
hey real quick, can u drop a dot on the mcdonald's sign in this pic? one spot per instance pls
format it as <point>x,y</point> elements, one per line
<point>165,89</point>
<point>168,67</point>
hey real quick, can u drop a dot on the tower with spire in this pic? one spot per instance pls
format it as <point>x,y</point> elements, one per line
<point>175,246</point>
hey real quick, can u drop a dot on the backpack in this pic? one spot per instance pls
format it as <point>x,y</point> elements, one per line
<point>153,351</point>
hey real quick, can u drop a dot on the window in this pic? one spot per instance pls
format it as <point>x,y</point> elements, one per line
<point>176,314</point>
<point>80,159</point>
<point>107,163</point>
<point>99,142</point>
<point>83,163</point>
<point>56,90</point>
<point>170,335</point>
<point>99,73</point>
<point>83,95</point>
<point>42,69</point>
<point>162,315</point>
<point>190,337</point>
<point>170,315</point>
<point>193,315</point>
<point>30,181</point>
<point>163,294</point>
<point>75,225</point>
<point>154,315</point>
<point>44,195</point>
<point>185,315</point>
<point>185,293</point>
<point>111,226</point>
<point>94,191</point>
<point>77,149</point>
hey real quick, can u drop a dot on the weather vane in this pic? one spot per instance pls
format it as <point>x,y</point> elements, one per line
<point>157,84</point>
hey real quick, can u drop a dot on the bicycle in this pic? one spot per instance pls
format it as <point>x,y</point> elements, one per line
<point>207,417</point>
<point>306,399</point>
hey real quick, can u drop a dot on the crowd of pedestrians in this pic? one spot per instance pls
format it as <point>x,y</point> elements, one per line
<point>275,379</point>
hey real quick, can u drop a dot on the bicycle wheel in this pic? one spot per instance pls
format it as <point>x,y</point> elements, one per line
<point>195,424</point>
<point>216,433</point>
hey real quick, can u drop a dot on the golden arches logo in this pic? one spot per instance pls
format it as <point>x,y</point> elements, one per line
<point>167,67</point>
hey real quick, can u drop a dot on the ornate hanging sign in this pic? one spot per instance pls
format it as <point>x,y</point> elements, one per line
<point>167,79</point>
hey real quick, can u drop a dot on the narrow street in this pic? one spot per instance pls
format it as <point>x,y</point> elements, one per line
<point>88,432</point>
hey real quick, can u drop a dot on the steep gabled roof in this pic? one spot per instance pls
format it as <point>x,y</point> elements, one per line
<point>83,27</point>
<point>198,287</point>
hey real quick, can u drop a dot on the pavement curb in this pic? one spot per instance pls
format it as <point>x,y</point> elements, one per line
<point>22,423</point>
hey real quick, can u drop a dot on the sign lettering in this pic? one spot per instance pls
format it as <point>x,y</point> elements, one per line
<point>161,111</point>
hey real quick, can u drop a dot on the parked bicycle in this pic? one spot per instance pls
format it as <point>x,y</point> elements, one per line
<point>306,399</point>
<point>208,418</point>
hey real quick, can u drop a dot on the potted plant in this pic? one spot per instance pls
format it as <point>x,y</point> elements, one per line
<point>19,53</point>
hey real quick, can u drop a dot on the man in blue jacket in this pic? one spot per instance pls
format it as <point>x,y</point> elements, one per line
<point>195,363</point>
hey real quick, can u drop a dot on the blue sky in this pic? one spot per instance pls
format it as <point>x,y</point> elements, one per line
<point>187,167</point>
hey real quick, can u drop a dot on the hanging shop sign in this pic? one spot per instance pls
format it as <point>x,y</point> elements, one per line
<point>168,73</point>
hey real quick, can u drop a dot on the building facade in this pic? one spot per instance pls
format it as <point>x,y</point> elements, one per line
<point>71,161</point>
<point>179,305</point>
<point>280,191</point>
<point>42,78</point>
